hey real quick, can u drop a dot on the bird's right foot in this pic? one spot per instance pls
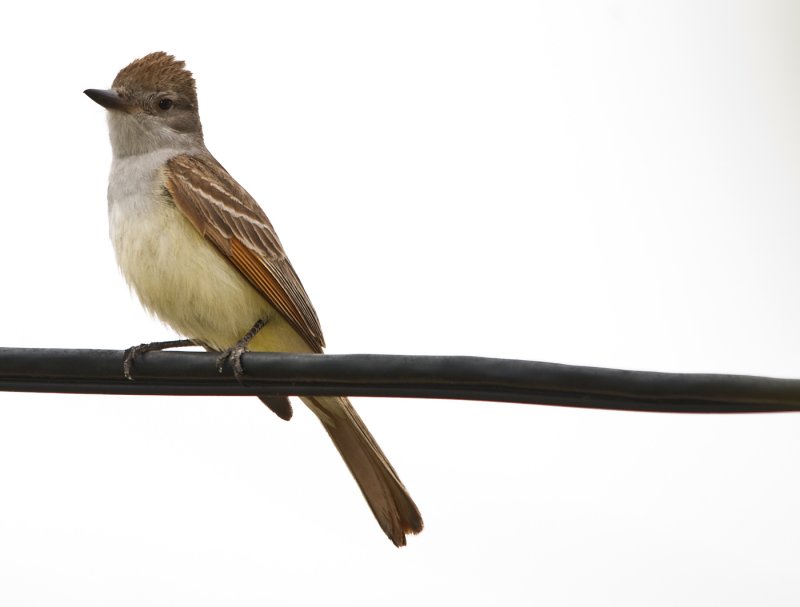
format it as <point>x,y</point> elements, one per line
<point>132,353</point>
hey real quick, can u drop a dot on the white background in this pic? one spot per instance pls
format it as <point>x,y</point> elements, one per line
<point>601,183</point>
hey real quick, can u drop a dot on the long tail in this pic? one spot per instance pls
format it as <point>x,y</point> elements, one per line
<point>387,497</point>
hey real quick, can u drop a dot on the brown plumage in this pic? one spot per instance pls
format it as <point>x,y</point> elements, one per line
<point>195,246</point>
<point>231,219</point>
<point>157,72</point>
<point>224,213</point>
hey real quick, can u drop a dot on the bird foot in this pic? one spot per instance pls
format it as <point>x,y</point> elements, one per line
<point>235,353</point>
<point>131,354</point>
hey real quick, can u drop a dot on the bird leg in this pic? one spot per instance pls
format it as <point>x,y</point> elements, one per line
<point>235,353</point>
<point>132,353</point>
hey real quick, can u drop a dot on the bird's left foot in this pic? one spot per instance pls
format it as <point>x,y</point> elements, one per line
<point>235,353</point>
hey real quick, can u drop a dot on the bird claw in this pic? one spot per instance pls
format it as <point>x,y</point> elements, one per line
<point>233,354</point>
<point>133,352</point>
<point>127,360</point>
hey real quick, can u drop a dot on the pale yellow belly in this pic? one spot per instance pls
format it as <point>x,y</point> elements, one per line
<point>182,279</point>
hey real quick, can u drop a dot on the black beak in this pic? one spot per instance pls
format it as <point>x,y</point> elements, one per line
<point>109,99</point>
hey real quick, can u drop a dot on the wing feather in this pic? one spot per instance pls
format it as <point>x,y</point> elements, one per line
<point>225,214</point>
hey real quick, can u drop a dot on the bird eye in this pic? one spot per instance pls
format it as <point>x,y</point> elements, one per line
<point>165,104</point>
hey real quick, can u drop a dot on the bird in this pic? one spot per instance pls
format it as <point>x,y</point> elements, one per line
<point>202,256</point>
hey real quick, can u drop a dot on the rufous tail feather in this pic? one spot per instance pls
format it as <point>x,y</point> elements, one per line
<point>387,497</point>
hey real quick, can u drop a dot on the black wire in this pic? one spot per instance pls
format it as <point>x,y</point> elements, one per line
<point>448,377</point>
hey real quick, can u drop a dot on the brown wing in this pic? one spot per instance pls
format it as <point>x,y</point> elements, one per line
<point>224,213</point>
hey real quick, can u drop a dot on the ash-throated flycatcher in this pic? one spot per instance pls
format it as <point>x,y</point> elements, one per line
<point>202,255</point>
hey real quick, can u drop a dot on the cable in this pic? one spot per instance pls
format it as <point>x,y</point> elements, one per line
<point>441,377</point>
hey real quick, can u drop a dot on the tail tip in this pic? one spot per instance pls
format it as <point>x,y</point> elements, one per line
<point>408,527</point>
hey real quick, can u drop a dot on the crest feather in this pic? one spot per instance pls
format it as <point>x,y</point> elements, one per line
<point>157,72</point>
